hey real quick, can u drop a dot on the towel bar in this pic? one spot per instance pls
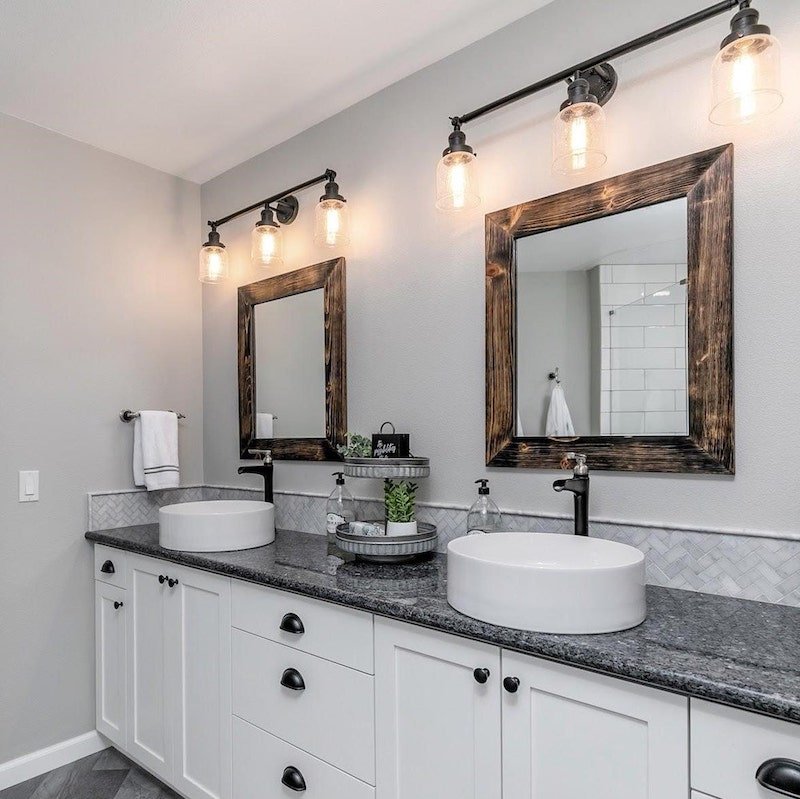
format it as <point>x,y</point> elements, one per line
<point>129,416</point>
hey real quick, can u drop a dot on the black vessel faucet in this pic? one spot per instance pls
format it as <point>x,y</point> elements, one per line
<point>265,469</point>
<point>578,484</point>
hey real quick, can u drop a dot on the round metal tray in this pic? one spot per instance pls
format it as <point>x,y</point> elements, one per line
<point>387,468</point>
<point>388,549</point>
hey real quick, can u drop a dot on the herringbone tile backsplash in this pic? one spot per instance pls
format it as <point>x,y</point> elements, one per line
<point>751,567</point>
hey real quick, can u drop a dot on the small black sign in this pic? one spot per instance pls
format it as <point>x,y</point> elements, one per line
<point>390,445</point>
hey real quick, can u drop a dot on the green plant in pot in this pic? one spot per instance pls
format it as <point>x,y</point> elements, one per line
<point>400,499</point>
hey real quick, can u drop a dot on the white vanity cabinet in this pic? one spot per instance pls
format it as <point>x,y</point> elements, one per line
<point>172,639</point>
<point>438,728</point>
<point>574,734</point>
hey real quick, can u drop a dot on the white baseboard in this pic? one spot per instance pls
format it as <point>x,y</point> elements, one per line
<point>29,766</point>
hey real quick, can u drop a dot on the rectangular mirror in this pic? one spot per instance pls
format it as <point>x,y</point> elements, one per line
<point>609,322</point>
<point>292,363</point>
<point>601,311</point>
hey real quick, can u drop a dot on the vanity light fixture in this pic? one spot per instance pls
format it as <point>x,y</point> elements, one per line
<point>267,238</point>
<point>747,71</point>
<point>746,85</point>
<point>331,220</point>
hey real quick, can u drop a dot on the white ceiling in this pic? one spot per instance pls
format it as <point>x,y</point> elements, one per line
<point>194,87</point>
<point>655,234</point>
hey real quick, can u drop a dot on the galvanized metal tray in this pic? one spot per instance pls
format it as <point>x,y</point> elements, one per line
<point>388,549</point>
<point>387,468</point>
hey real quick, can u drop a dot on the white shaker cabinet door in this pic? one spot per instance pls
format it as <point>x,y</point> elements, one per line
<point>149,697</point>
<point>199,642</point>
<point>438,728</point>
<point>572,734</point>
<point>110,661</point>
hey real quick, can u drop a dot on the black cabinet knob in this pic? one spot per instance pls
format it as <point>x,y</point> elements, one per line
<point>291,623</point>
<point>511,684</point>
<point>162,578</point>
<point>481,675</point>
<point>108,568</point>
<point>293,680</point>
<point>172,583</point>
<point>293,779</point>
<point>118,605</point>
<point>780,775</point>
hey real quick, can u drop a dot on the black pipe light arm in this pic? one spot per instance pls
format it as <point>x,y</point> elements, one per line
<point>591,66</point>
<point>286,204</point>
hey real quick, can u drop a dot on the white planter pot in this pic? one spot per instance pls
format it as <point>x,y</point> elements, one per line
<point>401,528</point>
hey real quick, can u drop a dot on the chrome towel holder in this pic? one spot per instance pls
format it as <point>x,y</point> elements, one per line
<point>129,416</point>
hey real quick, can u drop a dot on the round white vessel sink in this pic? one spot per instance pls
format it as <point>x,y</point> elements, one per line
<point>547,583</point>
<point>216,526</point>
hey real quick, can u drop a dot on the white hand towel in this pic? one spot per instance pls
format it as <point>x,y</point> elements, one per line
<point>264,425</point>
<point>155,450</point>
<point>559,421</point>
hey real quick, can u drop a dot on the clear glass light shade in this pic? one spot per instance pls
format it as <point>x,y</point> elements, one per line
<point>331,223</point>
<point>579,138</point>
<point>457,182</point>
<point>213,264</point>
<point>746,80</point>
<point>266,248</point>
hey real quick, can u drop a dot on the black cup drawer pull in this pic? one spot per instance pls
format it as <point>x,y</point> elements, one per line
<point>293,680</point>
<point>481,676</point>
<point>780,775</point>
<point>292,623</point>
<point>108,568</point>
<point>293,779</point>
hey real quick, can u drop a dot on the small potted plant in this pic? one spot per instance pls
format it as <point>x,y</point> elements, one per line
<point>400,500</point>
<point>355,446</point>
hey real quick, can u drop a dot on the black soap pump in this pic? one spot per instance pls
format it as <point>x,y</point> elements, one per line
<point>484,516</point>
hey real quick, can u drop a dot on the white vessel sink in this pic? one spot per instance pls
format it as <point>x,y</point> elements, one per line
<point>547,583</point>
<point>217,526</point>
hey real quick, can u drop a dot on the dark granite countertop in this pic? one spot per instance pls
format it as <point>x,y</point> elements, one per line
<point>733,651</point>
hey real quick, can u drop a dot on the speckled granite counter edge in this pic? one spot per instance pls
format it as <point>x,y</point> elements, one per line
<point>559,649</point>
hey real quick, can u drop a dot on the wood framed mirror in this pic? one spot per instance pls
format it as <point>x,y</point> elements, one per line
<point>293,364</point>
<point>620,294</point>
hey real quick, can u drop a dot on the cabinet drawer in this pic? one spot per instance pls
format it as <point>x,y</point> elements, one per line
<point>110,565</point>
<point>260,760</point>
<point>336,633</point>
<point>729,745</point>
<point>331,714</point>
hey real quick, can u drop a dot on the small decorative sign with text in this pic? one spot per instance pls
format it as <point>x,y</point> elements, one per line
<point>390,445</point>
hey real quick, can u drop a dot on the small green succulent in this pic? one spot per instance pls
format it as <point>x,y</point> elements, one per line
<point>400,499</point>
<point>355,446</point>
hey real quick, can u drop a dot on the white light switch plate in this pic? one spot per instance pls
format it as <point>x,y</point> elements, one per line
<point>29,486</point>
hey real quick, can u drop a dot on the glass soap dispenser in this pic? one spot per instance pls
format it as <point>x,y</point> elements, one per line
<point>484,516</point>
<point>340,508</point>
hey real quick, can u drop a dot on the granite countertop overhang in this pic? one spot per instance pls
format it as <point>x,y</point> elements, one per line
<point>733,651</point>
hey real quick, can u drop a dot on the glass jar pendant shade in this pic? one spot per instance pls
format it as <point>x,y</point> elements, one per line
<point>213,260</point>
<point>746,76</point>
<point>266,248</point>
<point>331,218</point>
<point>456,176</point>
<point>579,132</point>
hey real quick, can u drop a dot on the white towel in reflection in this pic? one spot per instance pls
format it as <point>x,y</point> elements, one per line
<point>155,450</point>
<point>264,425</point>
<point>559,421</point>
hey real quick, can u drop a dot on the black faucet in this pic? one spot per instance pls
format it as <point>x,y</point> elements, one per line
<point>578,484</point>
<point>265,469</point>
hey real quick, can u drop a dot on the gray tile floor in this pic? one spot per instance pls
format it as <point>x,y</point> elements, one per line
<point>106,775</point>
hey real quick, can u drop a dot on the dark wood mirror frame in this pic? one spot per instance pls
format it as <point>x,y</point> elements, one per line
<point>330,277</point>
<point>706,180</point>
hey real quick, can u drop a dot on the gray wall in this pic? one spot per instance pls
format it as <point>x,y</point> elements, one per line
<point>99,310</point>
<point>554,316</point>
<point>416,276</point>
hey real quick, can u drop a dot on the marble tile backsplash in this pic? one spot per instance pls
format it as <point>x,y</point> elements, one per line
<point>750,567</point>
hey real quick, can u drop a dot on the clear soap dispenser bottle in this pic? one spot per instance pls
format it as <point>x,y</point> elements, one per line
<point>340,508</point>
<point>484,516</point>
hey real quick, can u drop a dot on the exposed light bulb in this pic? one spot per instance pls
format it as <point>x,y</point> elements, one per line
<point>456,176</point>
<point>746,74</point>
<point>579,131</point>
<point>331,218</point>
